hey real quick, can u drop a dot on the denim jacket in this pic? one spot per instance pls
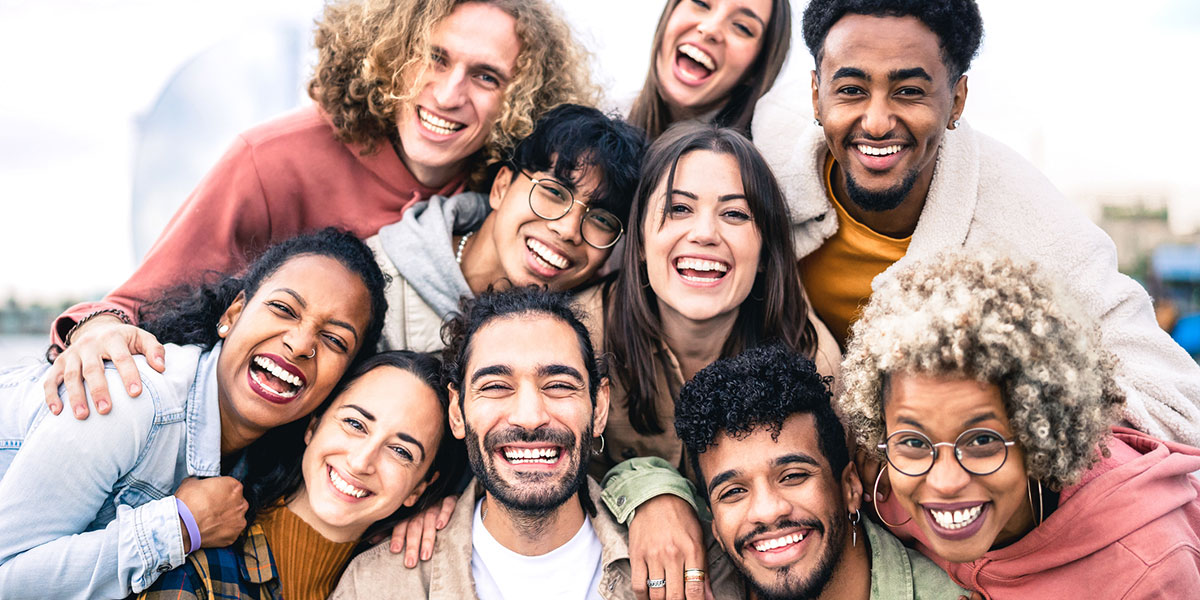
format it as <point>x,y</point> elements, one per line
<point>86,507</point>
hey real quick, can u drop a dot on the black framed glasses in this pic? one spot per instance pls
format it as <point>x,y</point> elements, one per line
<point>551,200</point>
<point>980,451</point>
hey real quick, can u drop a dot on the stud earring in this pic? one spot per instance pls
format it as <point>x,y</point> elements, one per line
<point>222,329</point>
<point>954,125</point>
<point>817,122</point>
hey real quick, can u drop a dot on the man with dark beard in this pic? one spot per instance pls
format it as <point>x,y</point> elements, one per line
<point>771,457</point>
<point>529,398</point>
<point>892,173</point>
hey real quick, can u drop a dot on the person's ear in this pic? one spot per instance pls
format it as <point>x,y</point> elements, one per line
<point>458,425</point>
<point>960,102</point>
<point>500,185</point>
<point>852,488</point>
<point>816,96</point>
<point>600,412</point>
<point>231,314</point>
<point>311,429</point>
<point>418,490</point>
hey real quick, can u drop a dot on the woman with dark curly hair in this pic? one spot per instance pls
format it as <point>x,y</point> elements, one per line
<point>376,451</point>
<point>992,401</point>
<point>711,60</point>
<point>411,99</point>
<point>246,355</point>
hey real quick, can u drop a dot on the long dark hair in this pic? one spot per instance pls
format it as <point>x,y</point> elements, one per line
<point>188,314</point>
<point>650,111</point>
<point>775,309</point>
<point>273,462</point>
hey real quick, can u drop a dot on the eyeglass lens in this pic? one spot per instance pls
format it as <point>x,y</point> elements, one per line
<point>979,451</point>
<point>551,200</point>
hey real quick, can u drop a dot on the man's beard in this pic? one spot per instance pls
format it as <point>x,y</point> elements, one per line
<point>882,200</point>
<point>530,494</point>
<point>788,586</point>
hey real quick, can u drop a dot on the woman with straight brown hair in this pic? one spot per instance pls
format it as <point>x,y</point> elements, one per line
<point>708,271</point>
<point>711,61</point>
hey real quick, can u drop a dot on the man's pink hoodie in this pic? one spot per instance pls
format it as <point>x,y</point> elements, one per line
<point>1129,529</point>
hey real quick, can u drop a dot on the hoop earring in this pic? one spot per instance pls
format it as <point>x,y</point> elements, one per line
<point>875,501</point>
<point>1041,515</point>
<point>854,527</point>
<point>601,450</point>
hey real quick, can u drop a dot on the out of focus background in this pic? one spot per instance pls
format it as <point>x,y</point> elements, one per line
<point>112,110</point>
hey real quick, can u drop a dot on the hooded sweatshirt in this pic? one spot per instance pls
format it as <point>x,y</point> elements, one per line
<point>1130,529</point>
<point>427,281</point>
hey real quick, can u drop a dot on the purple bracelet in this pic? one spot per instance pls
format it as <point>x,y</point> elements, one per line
<point>190,522</point>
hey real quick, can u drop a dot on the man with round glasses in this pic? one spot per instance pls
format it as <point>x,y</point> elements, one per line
<point>556,208</point>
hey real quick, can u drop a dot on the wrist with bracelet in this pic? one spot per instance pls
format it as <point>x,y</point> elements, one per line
<point>116,312</point>
<point>189,522</point>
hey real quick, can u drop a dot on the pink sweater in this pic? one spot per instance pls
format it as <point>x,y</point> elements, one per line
<point>281,178</point>
<point>1130,529</point>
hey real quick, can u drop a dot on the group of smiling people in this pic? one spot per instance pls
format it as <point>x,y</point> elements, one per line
<point>707,348</point>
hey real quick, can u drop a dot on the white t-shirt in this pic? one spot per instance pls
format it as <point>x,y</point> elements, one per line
<point>571,571</point>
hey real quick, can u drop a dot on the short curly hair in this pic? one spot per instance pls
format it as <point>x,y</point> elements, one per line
<point>994,320</point>
<point>755,390</point>
<point>368,48</point>
<point>956,23</point>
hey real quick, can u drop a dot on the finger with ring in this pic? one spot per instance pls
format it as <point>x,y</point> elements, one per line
<point>693,575</point>
<point>656,583</point>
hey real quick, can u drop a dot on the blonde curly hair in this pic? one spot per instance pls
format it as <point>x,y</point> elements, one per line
<point>373,54</point>
<point>997,321</point>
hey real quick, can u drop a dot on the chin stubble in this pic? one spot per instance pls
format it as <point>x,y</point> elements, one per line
<point>882,200</point>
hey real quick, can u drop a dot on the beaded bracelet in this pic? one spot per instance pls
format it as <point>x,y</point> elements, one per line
<point>190,522</point>
<point>120,314</point>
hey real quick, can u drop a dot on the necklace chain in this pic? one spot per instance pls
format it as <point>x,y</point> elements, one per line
<point>462,244</point>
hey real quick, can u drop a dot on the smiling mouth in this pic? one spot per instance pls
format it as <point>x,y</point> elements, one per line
<point>344,486</point>
<point>274,378</point>
<point>437,124</point>
<point>524,456</point>
<point>873,151</point>
<point>546,256</point>
<point>694,63</point>
<point>773,544</point>
<point>699,270</point>
<point>956,519</point>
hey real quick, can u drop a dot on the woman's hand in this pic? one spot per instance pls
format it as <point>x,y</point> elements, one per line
<point>419,532</point>
<point>218,507</point>
<point>102,337</point>
<point>665,539</point>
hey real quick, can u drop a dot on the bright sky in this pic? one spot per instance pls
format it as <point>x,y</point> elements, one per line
<point>1094,96</point>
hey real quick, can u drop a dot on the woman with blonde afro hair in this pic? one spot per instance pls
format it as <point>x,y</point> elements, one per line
<point>991,404</point>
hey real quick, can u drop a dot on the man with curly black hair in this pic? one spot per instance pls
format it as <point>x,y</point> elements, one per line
<point>771,457</point>
<point>892,174</point>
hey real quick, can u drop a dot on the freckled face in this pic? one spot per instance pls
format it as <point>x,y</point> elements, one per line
<point>370,451</point>
<point>707,48</point>
<point>288,345</point>
<point>960,514</point>
<point>703,257</point>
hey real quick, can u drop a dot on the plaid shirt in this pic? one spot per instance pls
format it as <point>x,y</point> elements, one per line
<point>223,574</point>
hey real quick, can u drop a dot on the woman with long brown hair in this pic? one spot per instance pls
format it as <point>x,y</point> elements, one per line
<point>708,271</point>
<point>711,61</point>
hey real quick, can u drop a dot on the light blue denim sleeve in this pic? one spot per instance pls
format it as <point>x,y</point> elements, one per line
<point>59,481</point>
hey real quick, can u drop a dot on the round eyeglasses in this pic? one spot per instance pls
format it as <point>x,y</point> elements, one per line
<point>979,451</point>
<point>552,201</point>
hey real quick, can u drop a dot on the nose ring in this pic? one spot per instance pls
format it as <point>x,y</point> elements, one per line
<point>311,354</point>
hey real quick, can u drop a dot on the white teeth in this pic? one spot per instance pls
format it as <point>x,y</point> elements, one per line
<point>269,366</point>
<point>517,456</point>
<point>767,545</point>
<point>437,124</point>
<point>956,519</point>
<point>699,56</point>
<point>547,255</point>
<point>873,151</point>
<point>696,264</point>
<point>344,487</point>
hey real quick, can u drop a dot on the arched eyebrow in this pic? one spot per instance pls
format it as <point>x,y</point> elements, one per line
<point>690,195</point>
<point>551,370</point>
<point>400,434</point>
<point>337,322</point>
<point>753,15</point>
<point>503,370</point>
